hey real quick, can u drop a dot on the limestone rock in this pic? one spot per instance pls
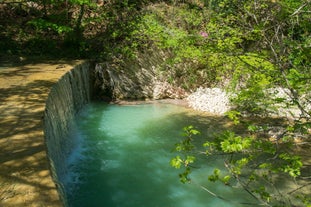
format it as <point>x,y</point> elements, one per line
<point>212,100</point>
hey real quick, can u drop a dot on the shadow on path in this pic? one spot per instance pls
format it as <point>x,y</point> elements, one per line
<point>25,178</point>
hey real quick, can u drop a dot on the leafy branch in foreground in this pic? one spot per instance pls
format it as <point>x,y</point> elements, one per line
<point>185,161</point>
<point>254,164</point>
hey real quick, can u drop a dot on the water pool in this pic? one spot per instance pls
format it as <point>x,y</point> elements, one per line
<point>122,160</point>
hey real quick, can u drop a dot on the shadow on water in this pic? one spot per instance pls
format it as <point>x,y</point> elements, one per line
<point>210,126</point>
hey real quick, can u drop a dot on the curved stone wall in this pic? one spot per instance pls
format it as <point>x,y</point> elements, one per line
<point>65,99</point>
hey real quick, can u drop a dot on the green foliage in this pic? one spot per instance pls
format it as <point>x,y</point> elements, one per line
<point>215,176</point>
<point>230,143</point>
<point>234,116</point>
<point>257,45</point>
<point>291,164</point>
<point>41,24</point>
<point>262,192</point>
<point>80,2</point>
<point>178,162</point>
<point>246,42</point>
<point>186,144</point>
<point>187,160</point>
<point>248,160</point>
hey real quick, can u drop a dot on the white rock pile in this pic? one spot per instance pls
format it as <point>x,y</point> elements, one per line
<point>212,100</point>
<point>216,101</point>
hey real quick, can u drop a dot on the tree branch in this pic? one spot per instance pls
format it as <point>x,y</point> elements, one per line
<point>301,7</point>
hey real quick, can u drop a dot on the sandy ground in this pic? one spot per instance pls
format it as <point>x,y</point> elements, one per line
<point>25,178</point>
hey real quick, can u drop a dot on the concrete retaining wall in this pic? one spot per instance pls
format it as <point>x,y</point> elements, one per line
<point>65,99</point>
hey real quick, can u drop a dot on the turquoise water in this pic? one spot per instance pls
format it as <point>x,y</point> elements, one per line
<point>122,160</point>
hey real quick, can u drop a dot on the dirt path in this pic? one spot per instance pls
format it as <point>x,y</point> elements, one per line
<point>25,179</point>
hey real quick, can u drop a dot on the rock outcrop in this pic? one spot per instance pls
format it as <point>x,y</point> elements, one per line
<point>143,78</point>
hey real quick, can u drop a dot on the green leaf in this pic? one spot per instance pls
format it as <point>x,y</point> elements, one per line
<point>234,116</point>
<point>226,179</point>
<point>194,132</point>
<point>184,177</point>
<point>215,176</point>
<point>189,160</point>
<point>235,144</point>
<point>292,164</point>
<point>176,162</point>
<point>265,165</point>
